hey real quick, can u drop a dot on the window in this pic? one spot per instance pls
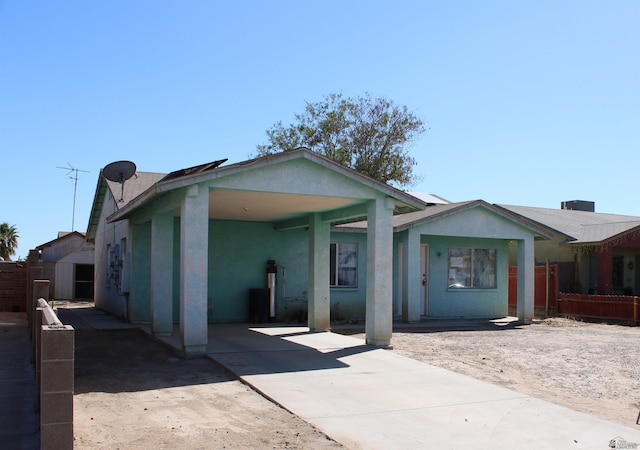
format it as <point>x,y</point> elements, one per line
<point>472,268</point>
<point>343,270</point>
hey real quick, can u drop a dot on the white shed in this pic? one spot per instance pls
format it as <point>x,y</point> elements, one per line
<point>68,262</point>
<point>74,276</point>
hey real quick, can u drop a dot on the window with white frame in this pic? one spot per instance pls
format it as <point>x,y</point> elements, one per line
<point>343,271</point>
<point>472,268</point>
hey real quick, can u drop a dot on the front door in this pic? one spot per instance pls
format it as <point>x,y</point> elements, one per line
<point>424,275</point>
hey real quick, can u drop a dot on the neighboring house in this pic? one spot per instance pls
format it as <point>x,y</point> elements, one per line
<point>596,253</point>
<point>68,263</point>
<point>450,261</point>
<point>190,246</point>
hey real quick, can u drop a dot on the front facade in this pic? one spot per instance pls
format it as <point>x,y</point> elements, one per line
<point>193,245</point>
<point>451,261</point>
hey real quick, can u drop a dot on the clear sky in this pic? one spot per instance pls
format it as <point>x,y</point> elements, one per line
<point>527,102</point>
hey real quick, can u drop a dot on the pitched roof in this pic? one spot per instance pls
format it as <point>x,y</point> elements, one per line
<point>579,227</point>
<point>205,172</point>
<point>134,186</point>
<point>144,187</point>
<point>62,236</point>
<point>433,212</point>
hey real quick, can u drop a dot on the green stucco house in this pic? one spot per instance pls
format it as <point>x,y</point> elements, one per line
<point>451,261</point>
<point>192,245</point>
<point>199,245</point>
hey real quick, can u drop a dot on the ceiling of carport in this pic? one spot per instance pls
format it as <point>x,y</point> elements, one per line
<point>257,206</point>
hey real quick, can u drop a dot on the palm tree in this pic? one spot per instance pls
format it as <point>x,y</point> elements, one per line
<point>8,241</point>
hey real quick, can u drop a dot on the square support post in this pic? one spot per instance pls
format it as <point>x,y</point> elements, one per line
<point>379,309</point>
<point>194,270</point>
<point>162,274</point>
<point>319,289</point>
<point>410,276</point>
<point>526,277</point>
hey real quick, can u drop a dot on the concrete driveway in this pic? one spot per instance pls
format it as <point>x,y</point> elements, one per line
<point>366,397</point>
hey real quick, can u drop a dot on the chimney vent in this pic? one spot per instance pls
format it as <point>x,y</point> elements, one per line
<point>579,205</point>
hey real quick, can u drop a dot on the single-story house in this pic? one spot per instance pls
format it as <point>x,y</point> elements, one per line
<point>195,242</point>
<point>451,261</point>
<point>200,245</point>
<point>596,253</point>
<point>67,262</point>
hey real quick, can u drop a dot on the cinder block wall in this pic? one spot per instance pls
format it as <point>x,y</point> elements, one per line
<point>56,387</point>
<point>54,350</point>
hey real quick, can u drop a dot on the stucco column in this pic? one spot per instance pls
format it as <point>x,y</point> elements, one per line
<point>319,305</point>
<point>162,274</point>
<point>526,279</point>
<point>411,276</point>
<point>605,271</point>
<point>194,245</point>
<point>379,313</point>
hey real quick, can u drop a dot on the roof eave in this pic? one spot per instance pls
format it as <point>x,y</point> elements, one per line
<point>404,202</point>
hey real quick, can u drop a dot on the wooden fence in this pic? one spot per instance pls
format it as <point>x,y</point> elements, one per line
<point>548,301</point>
<point>545,294</point>
<point>615,308</point>
<point>13,286</point>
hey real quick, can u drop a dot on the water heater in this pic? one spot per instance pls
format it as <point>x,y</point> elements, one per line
<point>272,269</point>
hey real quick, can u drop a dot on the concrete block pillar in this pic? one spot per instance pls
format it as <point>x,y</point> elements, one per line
<point>162,274</point>
<point>526,280</point>
<point>56,387</point>
<point>40,290</point>
<point>319,289</point>
<point>194,250</point>
<point>379,307</point>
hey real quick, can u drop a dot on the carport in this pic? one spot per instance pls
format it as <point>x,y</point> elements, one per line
<point>180,228</point>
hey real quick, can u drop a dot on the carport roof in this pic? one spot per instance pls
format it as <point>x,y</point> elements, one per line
<point>156,185</point>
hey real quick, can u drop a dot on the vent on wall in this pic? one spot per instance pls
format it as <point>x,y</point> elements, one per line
<point>579,205</point>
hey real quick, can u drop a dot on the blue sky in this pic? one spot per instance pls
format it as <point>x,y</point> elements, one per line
<point>527,102</point>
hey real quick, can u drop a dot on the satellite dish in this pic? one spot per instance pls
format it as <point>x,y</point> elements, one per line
<point>119,171</point>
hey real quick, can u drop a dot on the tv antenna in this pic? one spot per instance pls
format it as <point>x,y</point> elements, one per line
<point>71,170</point>
<point>119,171</point>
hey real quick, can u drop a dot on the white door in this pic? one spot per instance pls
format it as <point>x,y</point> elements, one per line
<point>424,274</point>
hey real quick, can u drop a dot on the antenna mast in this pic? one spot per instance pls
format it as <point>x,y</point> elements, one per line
<point>72,169</point>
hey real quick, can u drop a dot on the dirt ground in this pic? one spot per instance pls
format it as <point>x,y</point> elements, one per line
<point>588,367</point>
<point>133,393</point>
